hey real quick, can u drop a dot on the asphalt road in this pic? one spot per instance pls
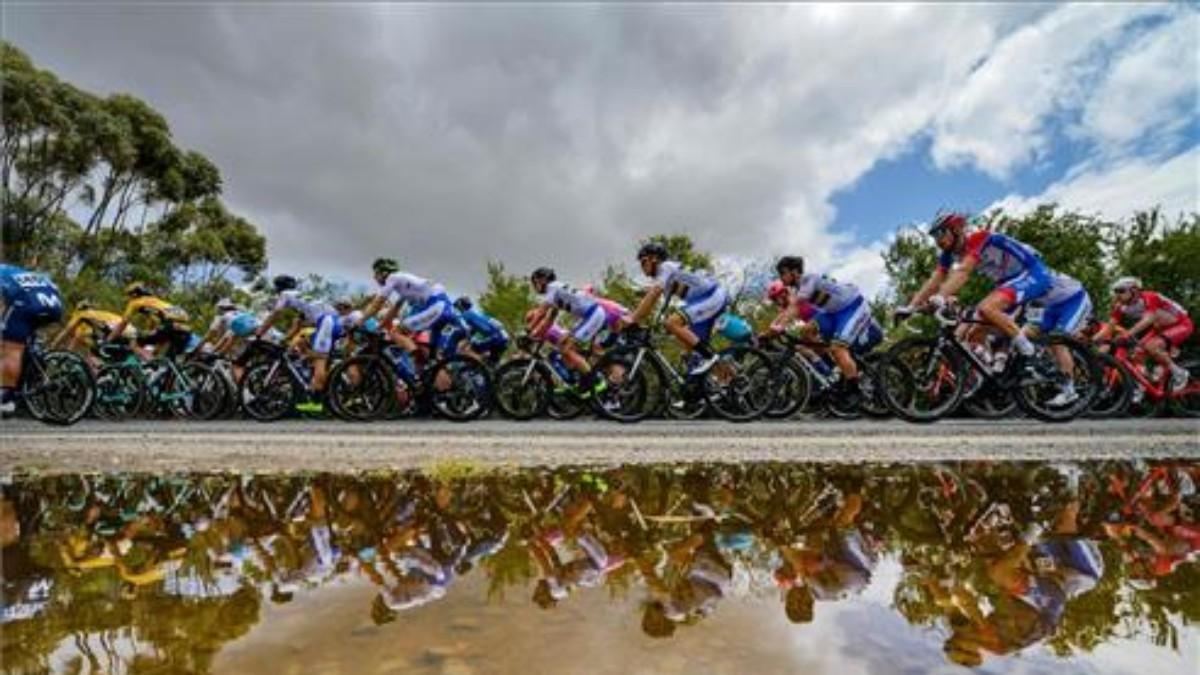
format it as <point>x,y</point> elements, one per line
<point>27,446</point>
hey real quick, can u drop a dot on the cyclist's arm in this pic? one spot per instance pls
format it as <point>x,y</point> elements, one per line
<point>390,315</point>
<point>930,287</point>
<point>297,325</point>
<point>267,323</point>
<point>374,305</point>
<point>1142,324</point>
<point>547,319</point>
<point>958,277</point>
<point>119,329</point>
<point>785,317</point>
<point>646,305</point>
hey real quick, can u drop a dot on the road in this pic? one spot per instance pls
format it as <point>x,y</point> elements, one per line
<point>335,446</point>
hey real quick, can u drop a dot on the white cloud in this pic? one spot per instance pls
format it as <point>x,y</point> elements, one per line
<point>1151,89</point>
<point>1117,191</point>
<point>998,120</point>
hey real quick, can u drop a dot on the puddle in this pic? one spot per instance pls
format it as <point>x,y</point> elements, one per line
<point>1007,567</point>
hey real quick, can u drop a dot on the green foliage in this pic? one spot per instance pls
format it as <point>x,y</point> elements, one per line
<point>152,208</point>
<point>507,297</point>
<point>1163,255</point>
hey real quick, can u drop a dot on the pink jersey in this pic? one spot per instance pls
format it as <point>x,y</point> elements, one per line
<point>613,311</point>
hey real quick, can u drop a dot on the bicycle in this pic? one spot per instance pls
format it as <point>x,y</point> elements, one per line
<point>923,379</point>
<point>56,386</point>
<point>188,390</point>
<point>1150,394</point>
<point>275,384</point>
<point>120,382</point>
<point>537,384</point>
<point>738,387</point>
<point>366,385</point>
<point>821,388</point>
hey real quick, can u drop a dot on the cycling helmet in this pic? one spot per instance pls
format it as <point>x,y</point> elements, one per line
<point>463,304</point>
<point>385,265</point>
<point>947,221</point>
<point>343,301</point>
<point>225,304</point>
<point>544,273</point>
<point>790,263</point>
<point>1125,284</point>
<point>285,282</point>
<point>776,291</point>
<point>137,289</point>
<point>652,248</point>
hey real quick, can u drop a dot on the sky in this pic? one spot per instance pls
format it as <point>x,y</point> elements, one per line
<point>448,135</point>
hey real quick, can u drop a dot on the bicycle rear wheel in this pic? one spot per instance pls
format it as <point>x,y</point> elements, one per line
<point>268,392</point>
<point>1115,389</point>
<point>740,386</point>
<point>792,389</point>
<point>1034,394</point>
<point>205,392</point>
<point>362,388</point>
<point>523,389</point>
<point>626,397</point>
<point>459,388</point>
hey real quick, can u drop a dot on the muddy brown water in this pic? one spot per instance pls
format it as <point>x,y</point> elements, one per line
<point>1017,567</point>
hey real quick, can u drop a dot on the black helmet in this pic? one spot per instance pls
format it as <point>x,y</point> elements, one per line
<point>790,263</point>
<point>385,265</point>
<point>543,273</point>
<point>463,303</point>
<point>137,289</point>
<point>652,248</point>
<point>284,282</point>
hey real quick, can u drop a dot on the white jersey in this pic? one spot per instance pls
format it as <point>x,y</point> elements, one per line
<point>1061,288</point>
<point>409,287</point>
<point>691,284</point>
<point>567,299</point>
<point>220,322</point>
<point>310,309</point>
<point>825,293</point>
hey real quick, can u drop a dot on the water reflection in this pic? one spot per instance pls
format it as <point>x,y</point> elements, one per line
<point>135,573</point>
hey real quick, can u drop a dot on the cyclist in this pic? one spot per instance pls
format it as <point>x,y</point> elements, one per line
<point>613,313</point>
<point>230,327</point>
<point>1016,268</point>
<point>1162,324</point>
<point>487,335</point>
<point>87,326</point>
<point>168,323</point>
<point>327,328</point>
<point>704,301</point>
<point>555,296</point>
<point>1066,310</point>
<point>431,308</point>
<point>840,312</point>
<point>795,309</point>
<point>30,301</point>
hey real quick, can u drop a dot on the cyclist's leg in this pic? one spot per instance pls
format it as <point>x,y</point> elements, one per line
<point>1068,318</point>
<point>695,326</point>
<point>844,328</point>
<point>327,332</point>
<point>1174,336</point>
<point>1028,286</point>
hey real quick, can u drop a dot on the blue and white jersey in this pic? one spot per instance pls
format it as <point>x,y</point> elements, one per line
<point>690,284</point>
<point>482,325</point>
<point>999,256</point>
<point>311,310</point>
<point>409,288</point>
<point>1062,287</point>
<point>825,293</point>
<point>567,299</point>
<point>26,288</point>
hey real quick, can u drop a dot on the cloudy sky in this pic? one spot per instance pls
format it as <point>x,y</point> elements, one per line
<point>447,135</point>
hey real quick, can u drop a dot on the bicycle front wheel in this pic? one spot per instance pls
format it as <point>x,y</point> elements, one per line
<point>740,386</point>
<point>920,381</point>
<point>58,388</point>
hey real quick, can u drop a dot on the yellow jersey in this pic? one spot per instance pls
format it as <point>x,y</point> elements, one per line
<point>87,324</point>
<point>159,311</point>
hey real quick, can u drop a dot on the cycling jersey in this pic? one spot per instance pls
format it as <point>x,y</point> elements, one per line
<point>689,284</point>
<point>824,293</point>
<point>90,323</point>
<point>311,310</point>
<point>1165,311</point>
<point>1066,306</point>
<point>31,300</point>
<point>563,297</point>
<point>160,312</point>
<point>482,326</point>
<point>409,287</point>
<point>1000,257</point>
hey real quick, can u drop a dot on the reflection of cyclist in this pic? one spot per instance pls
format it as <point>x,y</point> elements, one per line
<point>1036,578</point>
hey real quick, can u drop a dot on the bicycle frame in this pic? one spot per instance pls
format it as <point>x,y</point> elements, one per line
<point>1156,391</point>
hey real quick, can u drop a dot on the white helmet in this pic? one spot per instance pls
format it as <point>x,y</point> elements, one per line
<point>1125,283</point>
<point>226,303</point>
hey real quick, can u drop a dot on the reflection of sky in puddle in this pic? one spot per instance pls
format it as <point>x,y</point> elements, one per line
<point>215,586</point>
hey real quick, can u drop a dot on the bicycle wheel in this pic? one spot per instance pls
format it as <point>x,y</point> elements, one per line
<point>120,391</point>
<point>523,389</point>
<point>871,404</point>
<point>361,388</point>
<point>920,381</point>
<point>459,388</point>
<point>740,386</point>
<point>1035,392</point>
<point>1115,390</point>
<point>204,391</point>
<point>1186,402</point>
<point>792,389</point>
<point>268,392</point>
<point>58,388</point>
<point>626,396</point>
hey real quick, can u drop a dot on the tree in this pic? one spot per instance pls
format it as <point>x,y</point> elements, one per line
<point>507,297</point>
